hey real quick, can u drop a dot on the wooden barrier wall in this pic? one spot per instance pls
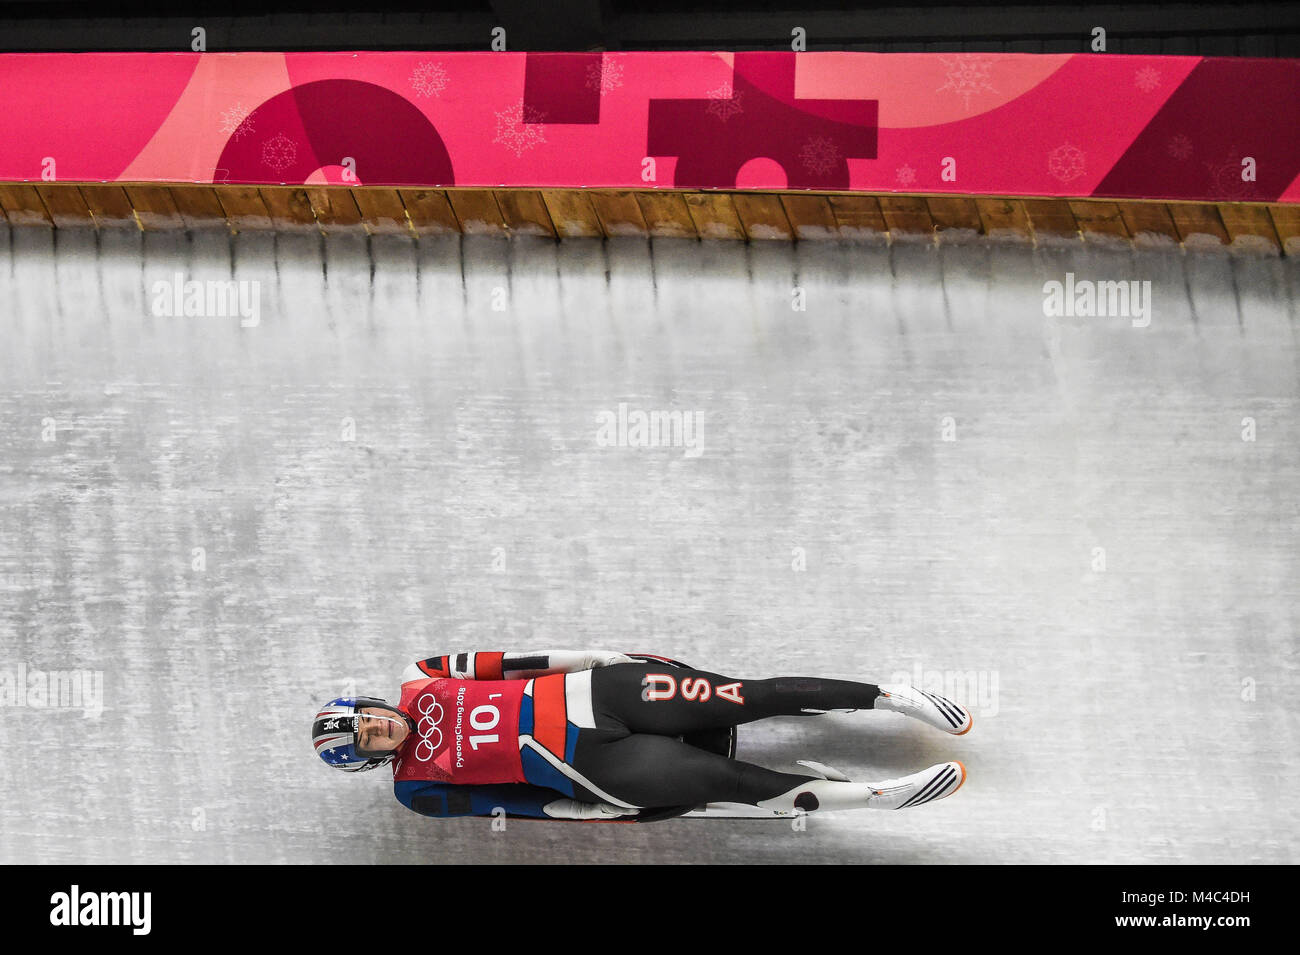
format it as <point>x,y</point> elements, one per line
<point>566,213</point>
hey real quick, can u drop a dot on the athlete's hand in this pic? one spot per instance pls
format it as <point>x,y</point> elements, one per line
<point>589,811</point>
<point>598,658</point>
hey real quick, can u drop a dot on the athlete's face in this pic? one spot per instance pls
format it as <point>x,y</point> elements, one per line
<point>380,730</point>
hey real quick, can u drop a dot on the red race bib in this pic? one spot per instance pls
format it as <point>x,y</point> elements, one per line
<point>466,731</point>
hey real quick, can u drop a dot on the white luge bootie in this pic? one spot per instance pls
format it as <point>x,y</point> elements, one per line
<point>919,788</point>
<point>828,795</point>
<point>940,712</point>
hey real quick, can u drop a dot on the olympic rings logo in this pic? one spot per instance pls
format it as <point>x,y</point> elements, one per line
<point>430,711</point>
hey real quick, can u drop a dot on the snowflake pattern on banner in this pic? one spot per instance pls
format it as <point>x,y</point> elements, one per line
<point>279,152</point>
<point>519,128</point>
<point>1066,162</point>
<point>237,121</point>
<point>1146,79</point>
<point>819,155</point>
<point>723,104</point>
<point>905,175</point>
<point>967,76</point>
<point>1180,147</point>
<point>606,76</point>
<point>1226,178</point>
<point>429,79</point>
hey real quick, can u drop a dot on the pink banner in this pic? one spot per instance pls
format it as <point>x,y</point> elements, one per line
<point>970,124</point>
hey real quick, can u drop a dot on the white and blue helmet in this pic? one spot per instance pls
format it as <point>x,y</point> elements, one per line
<point>334,734</point>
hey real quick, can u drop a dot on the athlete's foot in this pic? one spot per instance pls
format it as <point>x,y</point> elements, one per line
<point>918,788</point>
<point>931,708</point>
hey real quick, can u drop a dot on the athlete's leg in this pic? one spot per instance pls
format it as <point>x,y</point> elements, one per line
<point>580,728</point>
<point>645,770</point>
<point>659,699</point>
<point>669,700</point>
<point>659,771</point>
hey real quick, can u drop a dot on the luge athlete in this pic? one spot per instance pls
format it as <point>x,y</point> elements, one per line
<point>596,736</point>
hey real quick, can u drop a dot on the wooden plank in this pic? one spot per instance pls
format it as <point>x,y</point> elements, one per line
<point>382,212</point>
<point>244,208</point>
<point>714,215</point>
<point>154,207</point>
<point>619,213</point>
<point>109,205</point>
<point>525,212</point>
<point>1149,223</point>
<point>66,205</point>
<point>477,211</point>
<point>666,214</point>
<point>858,216</point>
<point>1286,222</point>
<point>954,214</point>
<point>572,213</point>
<point>22,204</point>
<point>290,209</point>
<point>1051,220</point>
<point>428,211</point>
<point>1100,222</point>
<point>762,216</point>
<point>1005,219</point>
<point>1249,228</point>
<point>199,207</point>
<point>907,216</point>
<point>810,217</point>
<point>1198,224</point>
<point>335,208</point>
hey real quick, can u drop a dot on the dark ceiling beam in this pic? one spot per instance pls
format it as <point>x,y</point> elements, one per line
<point>551,25</point>
<point>1207,28</point>
<point>1009,22</point>
<point>471,31</point>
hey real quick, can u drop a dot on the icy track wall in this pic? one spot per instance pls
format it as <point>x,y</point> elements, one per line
<point>1084,526</point>
<point>1189,128</point>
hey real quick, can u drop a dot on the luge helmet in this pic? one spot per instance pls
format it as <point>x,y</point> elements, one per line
<point>334,734</point>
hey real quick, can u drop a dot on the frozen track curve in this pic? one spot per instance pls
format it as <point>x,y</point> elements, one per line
<point>1097,552</point>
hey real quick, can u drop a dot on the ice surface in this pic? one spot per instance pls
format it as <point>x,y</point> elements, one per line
<point>1144,710</point>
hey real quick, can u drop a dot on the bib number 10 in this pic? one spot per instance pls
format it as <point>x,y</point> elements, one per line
<point>484,717</point>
